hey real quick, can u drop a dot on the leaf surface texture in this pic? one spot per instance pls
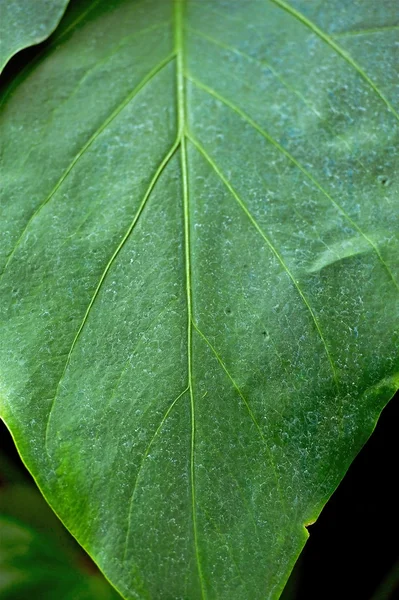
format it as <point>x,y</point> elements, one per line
<point>199,290</point>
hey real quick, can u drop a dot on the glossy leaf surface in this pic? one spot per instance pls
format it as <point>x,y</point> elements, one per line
<point>26,22</point>
<point>199,302</point>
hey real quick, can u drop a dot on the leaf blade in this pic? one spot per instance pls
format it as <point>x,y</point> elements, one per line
<point>233,272</point>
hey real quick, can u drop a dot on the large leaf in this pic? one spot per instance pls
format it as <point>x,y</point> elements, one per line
<point>199,297</point>
<point>26,22</point>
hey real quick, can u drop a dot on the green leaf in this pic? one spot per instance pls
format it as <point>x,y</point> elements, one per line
<point>25,23</point>
<point>199,298</point>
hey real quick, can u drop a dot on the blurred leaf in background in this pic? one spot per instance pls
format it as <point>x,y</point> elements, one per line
<point>39,559</point>
<point>26,22</point>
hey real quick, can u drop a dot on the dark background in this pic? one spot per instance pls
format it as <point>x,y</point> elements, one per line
<point>354,544</point>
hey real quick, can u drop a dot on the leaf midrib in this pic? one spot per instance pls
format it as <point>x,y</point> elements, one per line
<point>180,143</point>
<point>182,137</point>
<point>179,6</point>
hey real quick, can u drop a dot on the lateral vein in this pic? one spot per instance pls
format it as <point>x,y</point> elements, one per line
<point>89,142</point>
<point>146,452</point>
<point>290,157</point>
<point>246,404</point>
<point>265,64</point>
<point>107,268</point>
<point>336,47</point>
<point>241,203</point>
